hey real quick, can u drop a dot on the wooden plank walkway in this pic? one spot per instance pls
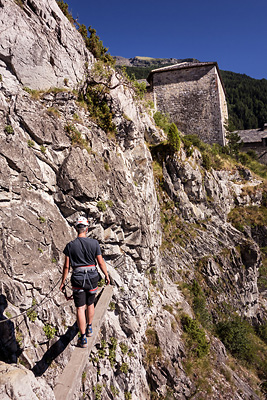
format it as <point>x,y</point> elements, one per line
<point>67,383</point>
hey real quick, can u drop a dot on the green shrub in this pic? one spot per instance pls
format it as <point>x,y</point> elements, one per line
<point>174,138</point>
<point>19,3</point>
<point>97,105</point>
<point>109,203</point>
<point>235,335</point>
<point>262,279</point>
<point>196,341</point>
<point>114,390</point>
<point>97,391</point>
<point>30,143</point>
<point>43,149</point>
<point>35,94</point>
<point>8,129</point>
<point>206,161</point>
<point>95,45</point>
<point>252,154</point>
<point>65,9</point>
<point>101,205</point>
<point>106,166</point>
<point>101,283</point>
<point>31,313</point>
<point>168,308</point>
<point>76,137</point>
<point>49,331</point>
<point>140,89</point>
<point>162,121</point>
<point>102,349</point>
<point>152,347</point>
<point>53,112</point>
<point>262,332</point>
<point>188,146</point>
<point>197,142</point>
<point>234,144</point>
<point>124,348</point>
<point>199,305</point>
<point>113,342</point>
<point>42,220</point>
<point>124,368</point>
<point>76,117</point>
<point>112,351</point>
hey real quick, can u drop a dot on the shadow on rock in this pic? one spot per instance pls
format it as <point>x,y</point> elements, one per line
<point>55,350</point>
<point>9,349</point>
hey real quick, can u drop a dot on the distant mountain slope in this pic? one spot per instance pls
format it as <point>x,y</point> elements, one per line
<point>246,97</point>
<point>145,62</point>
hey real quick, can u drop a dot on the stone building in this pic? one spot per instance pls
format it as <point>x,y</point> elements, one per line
<point>256,140</point>
<point>194,96</point>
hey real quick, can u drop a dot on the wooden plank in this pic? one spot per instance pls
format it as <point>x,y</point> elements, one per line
<point>67,383</point>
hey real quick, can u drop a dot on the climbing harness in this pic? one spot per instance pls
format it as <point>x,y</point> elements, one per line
<point>46,298</point>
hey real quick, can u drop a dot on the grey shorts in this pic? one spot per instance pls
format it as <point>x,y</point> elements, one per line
<point>82,297</point>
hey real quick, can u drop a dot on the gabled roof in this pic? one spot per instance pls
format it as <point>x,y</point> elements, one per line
<point>252,135</point>
<point>185,65</point>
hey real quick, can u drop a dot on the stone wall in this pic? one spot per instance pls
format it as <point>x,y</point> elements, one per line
<point>195,100</point>
<point>259,150</point>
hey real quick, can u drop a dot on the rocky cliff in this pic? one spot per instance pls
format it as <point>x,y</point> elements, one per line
<point>162,226</point>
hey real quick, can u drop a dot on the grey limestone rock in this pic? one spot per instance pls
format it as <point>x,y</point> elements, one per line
<point>40,46</point>
<point>17,382</point>
<point>47,180</point>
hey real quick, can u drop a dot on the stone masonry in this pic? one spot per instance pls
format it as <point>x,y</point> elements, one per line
<point>194,97</point>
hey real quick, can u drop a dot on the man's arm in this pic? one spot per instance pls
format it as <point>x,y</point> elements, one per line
<point>103,267</point>
<point>65,271</point>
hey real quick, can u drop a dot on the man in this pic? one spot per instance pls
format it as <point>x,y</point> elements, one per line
<point>82,254</point>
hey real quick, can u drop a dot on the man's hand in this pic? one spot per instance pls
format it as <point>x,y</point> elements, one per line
<point>107,280</point>
<point>61,286</point>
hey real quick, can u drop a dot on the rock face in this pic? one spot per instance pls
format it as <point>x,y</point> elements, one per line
<point>57,163</point>
<point>19,383</point>
<point>40,46</point>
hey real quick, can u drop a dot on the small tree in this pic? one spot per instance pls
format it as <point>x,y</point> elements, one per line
<point>65,9</point>
<point>174,138</point>
<point>95,45</point>
<point>234,144</point>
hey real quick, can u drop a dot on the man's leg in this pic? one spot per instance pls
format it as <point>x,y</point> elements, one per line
<point>90,313</point>
<point>81,320</point>
<point>80,304</point>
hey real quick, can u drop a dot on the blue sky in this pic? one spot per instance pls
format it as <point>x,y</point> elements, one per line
<point>231,32</point>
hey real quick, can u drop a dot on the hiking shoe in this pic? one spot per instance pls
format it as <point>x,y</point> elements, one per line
<point>89,330</point>
<point>82,342</point>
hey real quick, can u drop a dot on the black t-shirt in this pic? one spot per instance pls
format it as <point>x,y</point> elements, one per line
<point>82,251</point>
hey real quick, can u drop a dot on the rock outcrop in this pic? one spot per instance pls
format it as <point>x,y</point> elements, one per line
<point>40,46</point>
<point>57,163</point>
<point>17,382</point>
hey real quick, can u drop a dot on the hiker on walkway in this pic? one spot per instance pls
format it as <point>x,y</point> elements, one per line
<point>82,254</point>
